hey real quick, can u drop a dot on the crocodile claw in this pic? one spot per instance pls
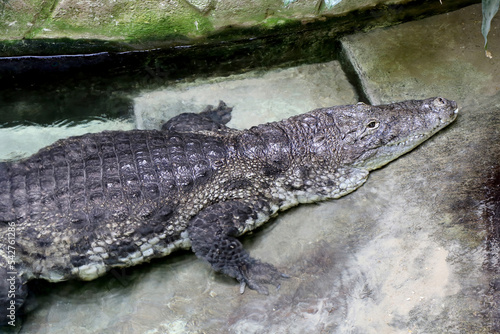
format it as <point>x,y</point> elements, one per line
<point>255,274</point>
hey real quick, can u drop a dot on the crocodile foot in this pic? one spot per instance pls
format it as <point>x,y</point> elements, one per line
<point>255,274</point>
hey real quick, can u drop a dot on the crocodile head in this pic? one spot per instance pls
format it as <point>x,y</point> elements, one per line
<point>372,136</point>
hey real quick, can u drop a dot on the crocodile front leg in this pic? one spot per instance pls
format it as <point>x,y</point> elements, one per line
<point>213,238</point>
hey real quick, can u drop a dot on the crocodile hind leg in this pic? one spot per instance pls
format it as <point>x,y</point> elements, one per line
<point>213,238</point>
<point>209,119</point>
<point>13,290</point>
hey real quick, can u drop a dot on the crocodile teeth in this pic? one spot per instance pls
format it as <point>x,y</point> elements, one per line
<point>409,140</point>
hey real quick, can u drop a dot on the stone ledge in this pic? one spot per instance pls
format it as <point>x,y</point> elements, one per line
<point>92,24</point>
<point>391,66</point>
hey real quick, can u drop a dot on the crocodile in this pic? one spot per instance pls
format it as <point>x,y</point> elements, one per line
<point>87,204</point>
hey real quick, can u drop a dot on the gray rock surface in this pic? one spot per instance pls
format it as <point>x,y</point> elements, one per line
<point>416,249</point>
<point>440,55</point>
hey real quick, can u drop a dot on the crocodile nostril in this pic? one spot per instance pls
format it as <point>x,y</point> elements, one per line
<point>439,102</point>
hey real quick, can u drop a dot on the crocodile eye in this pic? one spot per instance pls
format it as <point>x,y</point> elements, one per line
<point>372,125</point>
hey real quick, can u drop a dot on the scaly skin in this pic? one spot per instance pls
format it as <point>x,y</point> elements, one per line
<point>87,204</point>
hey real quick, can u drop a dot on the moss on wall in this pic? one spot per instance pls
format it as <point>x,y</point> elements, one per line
<point>145,24</point>
<point>151,19</point>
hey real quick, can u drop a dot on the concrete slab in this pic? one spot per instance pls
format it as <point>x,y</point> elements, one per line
<point>441,55</point>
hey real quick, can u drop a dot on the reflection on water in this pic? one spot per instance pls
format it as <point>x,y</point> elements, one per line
<point>36,116</point>
<point>69,101</point>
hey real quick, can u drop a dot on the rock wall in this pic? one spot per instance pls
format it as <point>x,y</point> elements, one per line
<point>128,25</point>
